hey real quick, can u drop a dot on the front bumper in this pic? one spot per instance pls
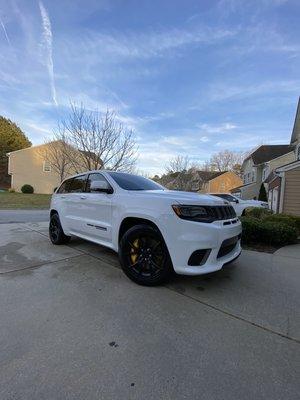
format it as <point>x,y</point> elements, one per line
<point>185,237</point>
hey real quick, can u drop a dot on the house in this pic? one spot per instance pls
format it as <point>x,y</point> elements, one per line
<point>32,166</point>
<point>284,182</point>
<point>284,189</point>
<point>259,166</point>
<point>201,181</point>
<point>220,182</point>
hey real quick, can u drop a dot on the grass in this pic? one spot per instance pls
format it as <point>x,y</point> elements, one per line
<point>13,201</point>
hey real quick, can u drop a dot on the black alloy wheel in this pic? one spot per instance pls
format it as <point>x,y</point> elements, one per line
<point>56,233</point>
<point>144,256</point>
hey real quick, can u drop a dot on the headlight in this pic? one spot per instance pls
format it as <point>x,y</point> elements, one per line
<point>193,213</point>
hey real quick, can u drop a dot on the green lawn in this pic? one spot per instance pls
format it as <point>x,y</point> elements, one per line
<point>20,200</point>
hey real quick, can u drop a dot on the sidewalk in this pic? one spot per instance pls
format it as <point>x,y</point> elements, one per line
<point>292,251</point>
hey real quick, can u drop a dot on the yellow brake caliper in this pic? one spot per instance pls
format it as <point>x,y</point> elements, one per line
<point>133,253</point>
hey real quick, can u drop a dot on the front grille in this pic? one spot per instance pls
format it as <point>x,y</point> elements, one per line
<point>228,245</point>
<point>221,213</point>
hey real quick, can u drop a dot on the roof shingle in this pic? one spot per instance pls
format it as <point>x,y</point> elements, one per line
<point>268,152</point>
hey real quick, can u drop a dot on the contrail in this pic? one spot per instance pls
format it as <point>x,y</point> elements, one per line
<point>47,41</point>
<point>5,33</point>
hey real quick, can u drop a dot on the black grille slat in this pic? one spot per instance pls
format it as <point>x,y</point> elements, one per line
<point>221,213</point>
<point>228,245</point>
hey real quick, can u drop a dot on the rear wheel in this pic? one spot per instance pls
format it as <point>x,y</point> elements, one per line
<point>56,233</point>
<point>144,256</point>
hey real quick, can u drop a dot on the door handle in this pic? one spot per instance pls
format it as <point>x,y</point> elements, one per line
<point>63,197</point>
<point>83,197</point>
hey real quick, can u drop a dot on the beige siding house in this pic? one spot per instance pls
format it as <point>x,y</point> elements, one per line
<point>258,165</point>
<point>291,196</point>
<point>28,166</point>
<point>289,189</point>
<point>201,181</point>
<point>31,166</point>
<point>222,182</point>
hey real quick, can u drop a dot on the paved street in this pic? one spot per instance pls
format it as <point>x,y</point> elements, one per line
<point>10,216</point>
<point>74,327</point>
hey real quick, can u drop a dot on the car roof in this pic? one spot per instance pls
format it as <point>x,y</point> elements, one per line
<point>99,171</point>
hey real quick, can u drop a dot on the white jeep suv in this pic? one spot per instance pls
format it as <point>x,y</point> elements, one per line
<point>155,231</point>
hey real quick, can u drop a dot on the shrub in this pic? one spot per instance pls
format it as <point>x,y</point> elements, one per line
<point>11,190</point>
<point>273,233</point>
<point>257,212</point>
<point>290,220</point>
<point>27,189</point>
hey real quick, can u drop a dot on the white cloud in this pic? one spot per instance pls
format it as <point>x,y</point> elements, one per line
<point>5,32</point>
<point>204,139</point>
<point>47,44</point>
<point>221,91</point>
<point>214,128</point>
<point>143,45</point>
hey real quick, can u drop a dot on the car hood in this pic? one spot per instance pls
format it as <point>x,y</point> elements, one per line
<point>181,197</point>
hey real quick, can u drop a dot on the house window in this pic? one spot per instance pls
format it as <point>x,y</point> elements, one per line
<point>298,152</point>
<point>46,166</point>
<point>253,176</point>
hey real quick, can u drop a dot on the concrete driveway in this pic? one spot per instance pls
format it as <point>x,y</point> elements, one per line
<point>72,326</point>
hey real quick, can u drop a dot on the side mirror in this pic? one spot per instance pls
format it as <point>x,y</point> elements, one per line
<point>236,201</point>
<point>101,186</point>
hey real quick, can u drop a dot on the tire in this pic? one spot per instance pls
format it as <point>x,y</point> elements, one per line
<point>144,256</point>
<point>56,233</point>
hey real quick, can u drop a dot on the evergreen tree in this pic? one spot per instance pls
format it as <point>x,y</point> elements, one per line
<point>11,138</point>
<point>262,193</point>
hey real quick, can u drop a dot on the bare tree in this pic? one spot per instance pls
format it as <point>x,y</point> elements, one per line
<point>90,141</point>
<point>178,164</point>
<point>178,173</point>
<point>227,160</point>
<point>55,153</point>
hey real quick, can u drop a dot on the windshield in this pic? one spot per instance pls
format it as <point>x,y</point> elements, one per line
<point>134,182</point>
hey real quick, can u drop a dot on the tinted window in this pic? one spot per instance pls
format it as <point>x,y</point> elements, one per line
<point>77,184</point>
<point>134,182</point>
<point>94,177</point>
<point>64,187</point>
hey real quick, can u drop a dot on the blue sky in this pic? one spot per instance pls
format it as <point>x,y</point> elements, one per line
<point>190,77</point>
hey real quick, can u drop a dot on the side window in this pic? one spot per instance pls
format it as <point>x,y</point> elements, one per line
<point>64,187</point>
<point>77,184</point>
<point>94,177</point>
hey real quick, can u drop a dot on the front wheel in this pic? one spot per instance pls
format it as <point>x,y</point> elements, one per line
<point>56,233</point>
<point>144,256</point>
